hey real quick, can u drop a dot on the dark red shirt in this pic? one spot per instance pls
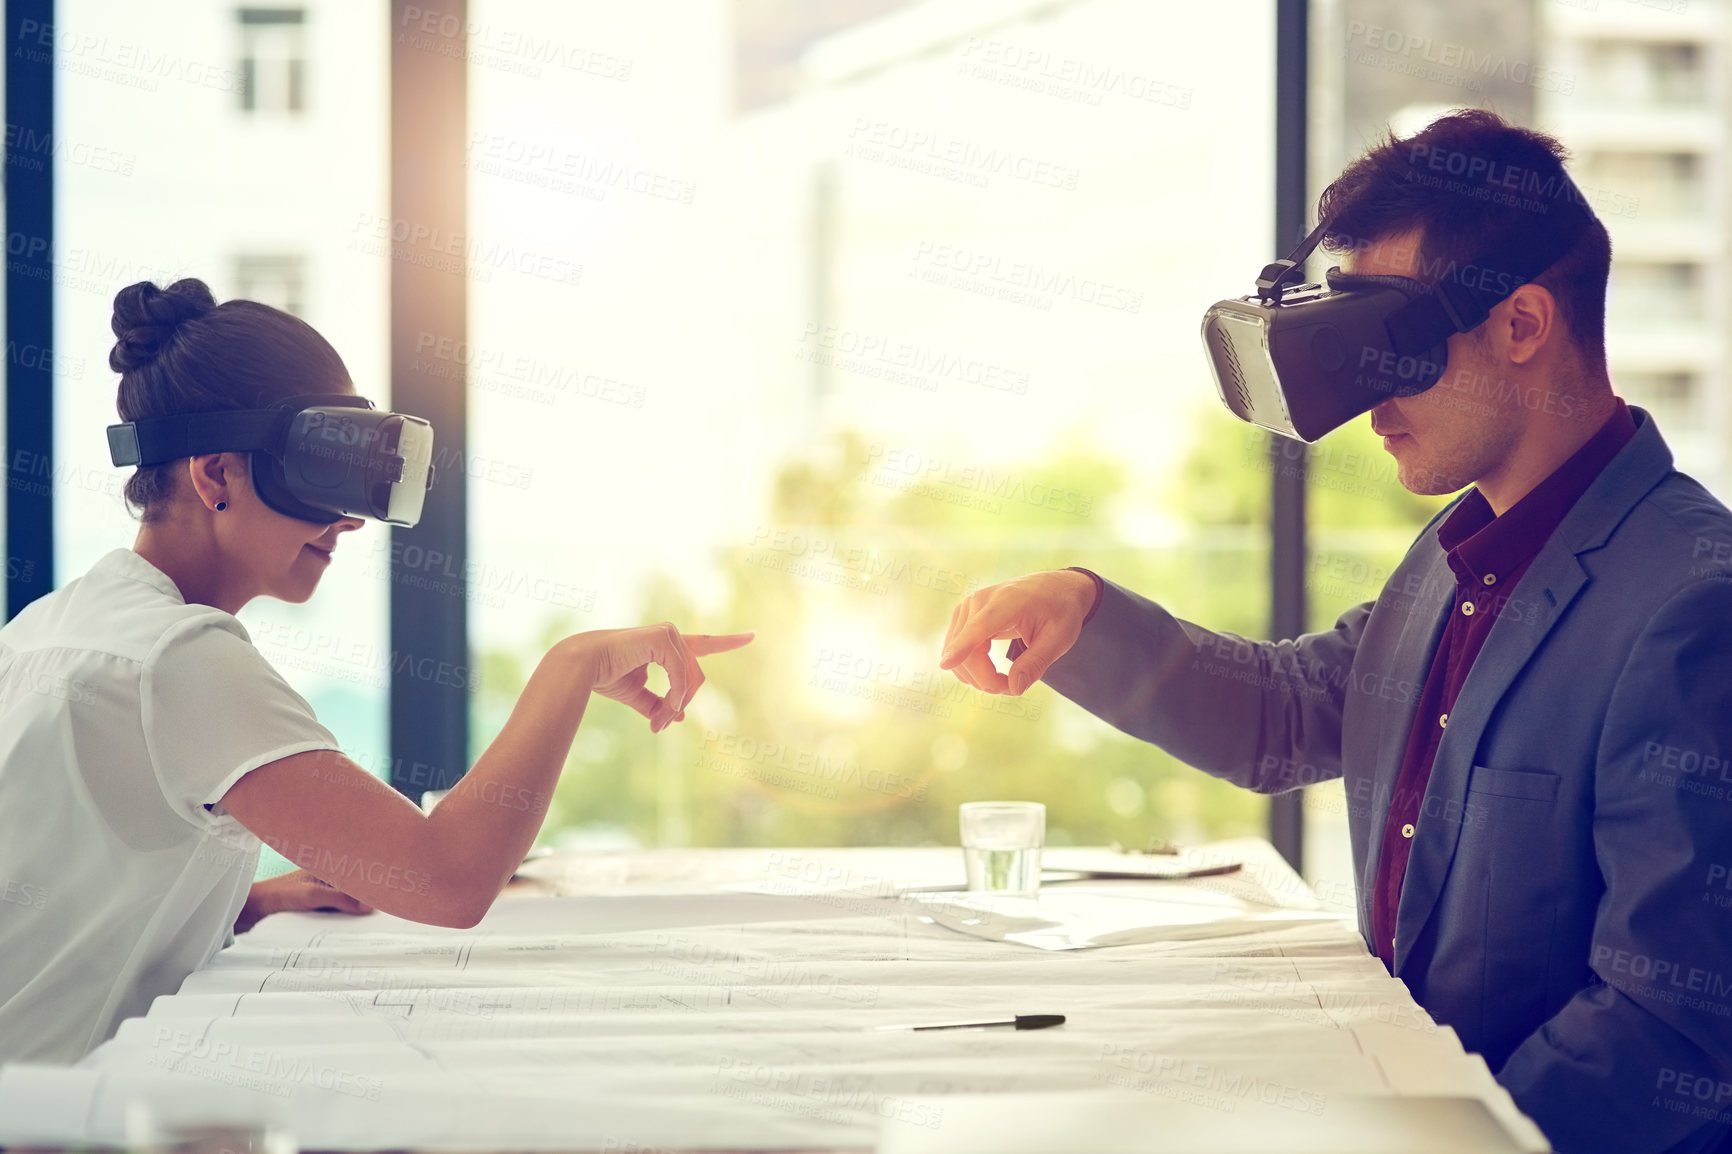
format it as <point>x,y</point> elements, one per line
<point>1488,555</point>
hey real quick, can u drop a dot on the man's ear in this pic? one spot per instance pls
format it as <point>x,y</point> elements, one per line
<point>1532,321</point>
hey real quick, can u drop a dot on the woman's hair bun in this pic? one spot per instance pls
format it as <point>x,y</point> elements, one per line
<point>146,319</point>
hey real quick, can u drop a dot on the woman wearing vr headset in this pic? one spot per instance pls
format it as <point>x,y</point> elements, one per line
<point>147,748</point>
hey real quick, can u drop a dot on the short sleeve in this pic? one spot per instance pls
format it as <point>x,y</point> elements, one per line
<point>214,709</point>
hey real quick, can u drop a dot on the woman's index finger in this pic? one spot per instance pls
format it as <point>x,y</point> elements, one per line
<point>701,644</point>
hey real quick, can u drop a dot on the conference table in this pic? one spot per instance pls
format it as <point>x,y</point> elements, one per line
<point>764,999</point>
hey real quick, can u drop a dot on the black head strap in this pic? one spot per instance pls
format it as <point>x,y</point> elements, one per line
<point>160,439</point>
<point>157,440</point>
<point>1465,295</point>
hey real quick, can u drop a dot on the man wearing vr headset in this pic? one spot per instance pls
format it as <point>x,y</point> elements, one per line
<point>1533,720</point>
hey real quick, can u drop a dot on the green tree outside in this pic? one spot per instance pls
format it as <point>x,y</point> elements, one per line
<point>836,727</point>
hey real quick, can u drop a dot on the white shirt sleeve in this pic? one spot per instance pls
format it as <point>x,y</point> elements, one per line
<point>215,709</point>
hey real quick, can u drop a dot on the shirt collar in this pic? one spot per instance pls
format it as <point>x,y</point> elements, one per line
<point>1481,544</point>
<point>125,564</point>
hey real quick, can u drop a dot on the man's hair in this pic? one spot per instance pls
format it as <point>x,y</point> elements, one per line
<point>1475,186</point>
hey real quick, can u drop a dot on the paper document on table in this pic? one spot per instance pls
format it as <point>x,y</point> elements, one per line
<point>1060,1123</point>
<point>1075,919</point>
<point>1186,864</point>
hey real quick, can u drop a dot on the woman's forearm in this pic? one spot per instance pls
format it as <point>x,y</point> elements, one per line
<point>481,829</point>
<point>346,827</point>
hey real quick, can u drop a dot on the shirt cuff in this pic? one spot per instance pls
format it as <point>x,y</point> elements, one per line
<point>1018,647</point>
<point>1100,590</point>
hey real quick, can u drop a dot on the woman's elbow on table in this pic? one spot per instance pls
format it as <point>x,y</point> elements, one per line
<point>354,832</point>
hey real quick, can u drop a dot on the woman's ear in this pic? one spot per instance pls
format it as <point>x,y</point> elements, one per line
<point>213,475</point>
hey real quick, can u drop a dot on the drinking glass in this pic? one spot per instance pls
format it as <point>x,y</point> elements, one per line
<point>1001,843</point>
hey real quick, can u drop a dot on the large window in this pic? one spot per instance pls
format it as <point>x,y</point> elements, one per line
<point>158,178</point>
<point>811,319</point>
<point>818,350</point>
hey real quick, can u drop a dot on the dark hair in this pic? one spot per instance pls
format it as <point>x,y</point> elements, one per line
<point>1474,185</point>
<point>178,351</point>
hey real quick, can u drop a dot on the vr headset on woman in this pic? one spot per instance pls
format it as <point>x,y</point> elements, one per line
<point>1304,359</point>
<point>316,457</point>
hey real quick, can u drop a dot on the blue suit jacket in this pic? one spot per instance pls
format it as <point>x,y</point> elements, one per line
<point>1566,907</point>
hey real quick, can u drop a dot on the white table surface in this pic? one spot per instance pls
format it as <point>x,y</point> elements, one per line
<point>643,1002</point>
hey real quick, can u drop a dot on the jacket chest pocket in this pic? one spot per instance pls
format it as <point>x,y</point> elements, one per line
<point>1521,784</point>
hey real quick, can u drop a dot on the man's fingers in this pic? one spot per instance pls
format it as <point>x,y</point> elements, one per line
<point>957,616</point>
<point>982,674</point>
<point>703,644</point>
<point>1024,672</point>
<point>1035,661</point>
<point>979,632</point>
<point>962,675</point>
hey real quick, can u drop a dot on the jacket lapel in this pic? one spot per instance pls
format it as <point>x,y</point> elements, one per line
<point>1551,583</point>
<point>1416,645</point>
<point>1538,601</point>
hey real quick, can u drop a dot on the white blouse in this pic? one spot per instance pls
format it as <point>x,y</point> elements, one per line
<point>125,715</point>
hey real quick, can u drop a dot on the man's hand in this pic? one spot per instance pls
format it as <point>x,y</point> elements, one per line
<point>1045,610</point>
<point>297,890</point>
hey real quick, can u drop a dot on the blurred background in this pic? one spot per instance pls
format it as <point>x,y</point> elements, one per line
<point>812,316</point>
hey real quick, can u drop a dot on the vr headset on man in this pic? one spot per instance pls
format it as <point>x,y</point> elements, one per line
<point>1304,359</point>
<point>316,457</point>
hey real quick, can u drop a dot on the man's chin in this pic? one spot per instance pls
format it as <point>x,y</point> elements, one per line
<point>1425,482</point>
